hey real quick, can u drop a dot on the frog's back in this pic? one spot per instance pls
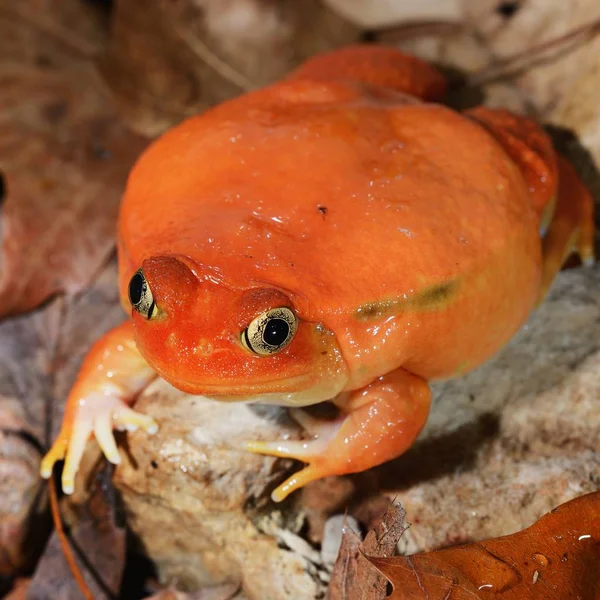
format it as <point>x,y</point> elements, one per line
<point>348,199</point>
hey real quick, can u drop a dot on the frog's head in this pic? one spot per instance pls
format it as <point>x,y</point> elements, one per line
<point>206,337</point>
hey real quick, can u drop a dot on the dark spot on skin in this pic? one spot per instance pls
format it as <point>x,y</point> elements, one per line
<point>3,191</point>
<point>291,264</point>
<point>372,310</point>
<point>430,298</point>
<point>507,9</point>
<point>154,464</point>
<point>435,295</point>
<point>322,209</point>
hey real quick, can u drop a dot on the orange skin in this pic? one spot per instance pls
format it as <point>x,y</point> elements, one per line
<point>404,236</point>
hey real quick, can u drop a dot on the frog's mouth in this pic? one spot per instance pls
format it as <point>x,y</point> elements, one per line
<point>300,390</point>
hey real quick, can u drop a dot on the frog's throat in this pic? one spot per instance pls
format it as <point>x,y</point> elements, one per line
<point>302,390</point>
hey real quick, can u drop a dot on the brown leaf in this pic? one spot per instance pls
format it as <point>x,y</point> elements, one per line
<point>353,577</point>
<point>19,590</point>
<point>99,547</point>
<point>208,52</point>
<point>63,160</point>
<point>40,353</point>
<point>226,591</point>
<point>19,463</point>
<point>556,558</point>
<point>383,13</point>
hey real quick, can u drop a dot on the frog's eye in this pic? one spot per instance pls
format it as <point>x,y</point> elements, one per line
<point>270,332</point>
<point>141,297</point>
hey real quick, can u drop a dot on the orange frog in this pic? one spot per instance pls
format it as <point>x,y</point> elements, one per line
<point>331,237</point>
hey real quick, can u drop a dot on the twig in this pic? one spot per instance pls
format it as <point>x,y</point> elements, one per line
<point>64,542</point>
<point>512,65</point>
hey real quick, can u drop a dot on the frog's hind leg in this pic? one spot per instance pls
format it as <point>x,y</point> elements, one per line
<point>566,215</point>
<point>377,423</point>
<point>570,228</point>
<point>377,66</point>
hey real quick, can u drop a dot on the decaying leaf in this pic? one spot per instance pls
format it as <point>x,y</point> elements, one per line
<point>557,557</point>
<point>19,489</point>
<point>99,551</point>
<point>170,59</point>
<point>64,157</point>
<point>227,591</point>
<point>353,577</point>
<point>375,14</point>
<point>40,353</point>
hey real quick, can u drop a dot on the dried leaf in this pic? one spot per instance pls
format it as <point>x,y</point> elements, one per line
<point>557,557</point>
<point>353,577</point>
<point>373,14</point>
<point>19,590</point>
<point>39,356</point>
<point>63,160</point>
<point>19,484</point>
<point>99,547</point>
<point>208,52</point>
<point>227,591</point>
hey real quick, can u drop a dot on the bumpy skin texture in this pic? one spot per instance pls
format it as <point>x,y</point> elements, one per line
<point>403,235</point>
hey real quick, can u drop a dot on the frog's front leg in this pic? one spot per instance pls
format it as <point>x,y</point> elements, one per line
<point>112,374</point>
<point>377,423</point>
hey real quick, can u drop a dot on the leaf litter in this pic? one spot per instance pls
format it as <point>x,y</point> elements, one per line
<point>64,156</point>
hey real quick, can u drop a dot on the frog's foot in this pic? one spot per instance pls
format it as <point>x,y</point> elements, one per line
<point>112,374</point>
<point>571,228</point>
<point>98,415</point>
<point>379,423</point>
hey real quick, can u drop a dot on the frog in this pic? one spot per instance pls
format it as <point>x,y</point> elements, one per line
<point>338,236</point>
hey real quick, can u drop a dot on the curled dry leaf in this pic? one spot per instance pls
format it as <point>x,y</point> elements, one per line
<point>64,157</point>
<point>353,577</point>
<point>99,548</point>
<point>557,557</point>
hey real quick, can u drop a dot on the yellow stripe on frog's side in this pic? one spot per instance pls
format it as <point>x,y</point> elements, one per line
<point>432,297</point>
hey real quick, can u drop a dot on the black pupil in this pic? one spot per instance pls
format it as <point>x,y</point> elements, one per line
<point>276,332</point>
<point>136,288</point>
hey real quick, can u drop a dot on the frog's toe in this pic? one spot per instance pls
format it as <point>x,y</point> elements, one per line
<point>298,480</point>
<point>82,428</point>
<point>127,419</point>
<point>312,452</point>
<point>103,432</point>
<point>99,420</point>
<point>55,454</point>
<point>302,450</point>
